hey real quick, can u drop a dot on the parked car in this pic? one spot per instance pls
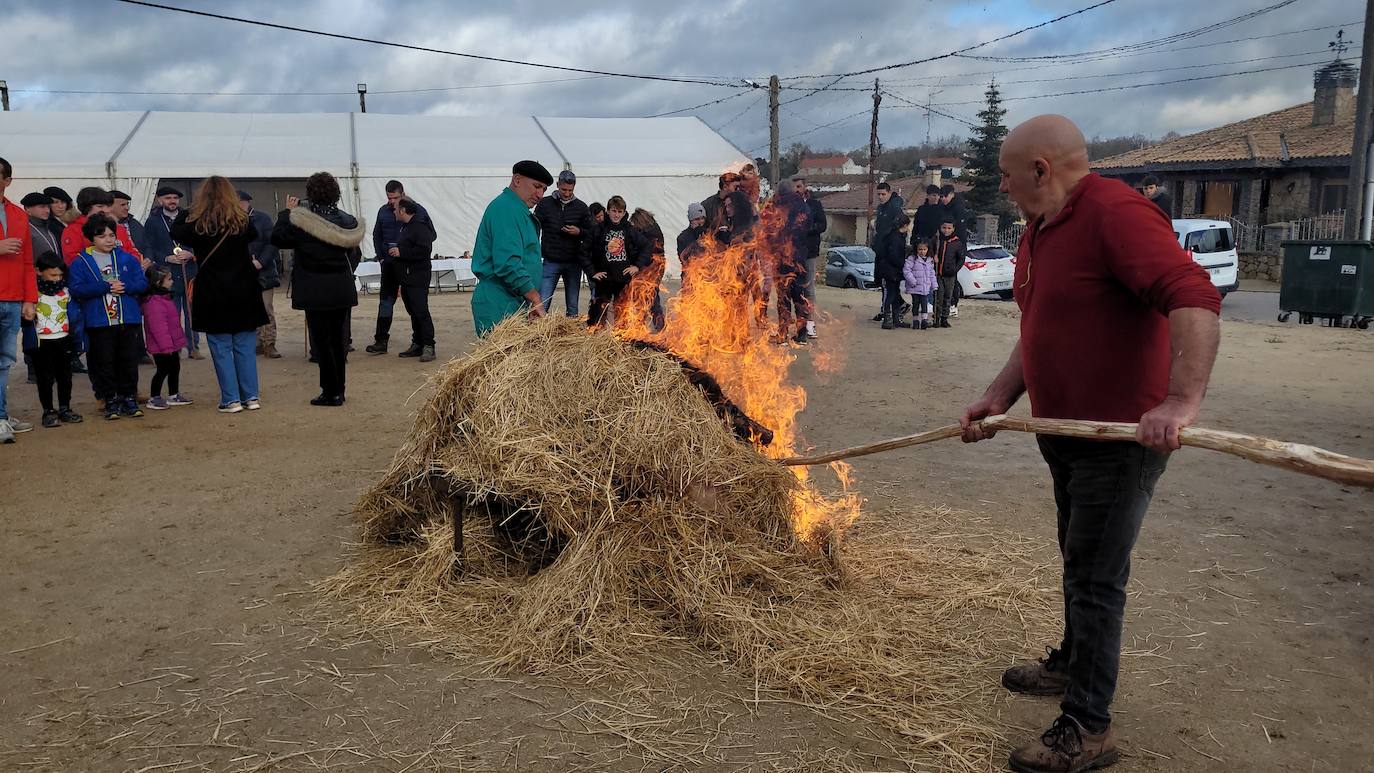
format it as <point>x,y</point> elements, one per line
<point>1211,244</point>
<point>988,268</point>
<point>850,266</point>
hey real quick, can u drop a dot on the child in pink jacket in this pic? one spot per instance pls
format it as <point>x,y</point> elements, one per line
<point>918,271</point>
<point>164,338</point>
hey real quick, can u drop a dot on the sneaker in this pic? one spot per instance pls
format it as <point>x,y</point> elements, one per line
<point>377,347</point>
<point>230,408</point>
<point>954,311</point>
<point>1067,747</point>
<point>111,410</point>
<point>329,401</point>
<point>130,409</point>
<point>68,416</point>
<point>20,426</point>
<point>6,432</point>
<point>252,404</point>
<point>811,330</point>
<point>415,350</point>
<point>427,355</point>
<point>158,403</point>
<point>50,420</point>
<point>77,366</point>
<point>878,317</point>
<point>179,399</point>
<point>1047,676</point>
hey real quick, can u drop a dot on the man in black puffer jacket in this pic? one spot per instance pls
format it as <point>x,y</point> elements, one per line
<point>414,268</point>
<point>564,221</point>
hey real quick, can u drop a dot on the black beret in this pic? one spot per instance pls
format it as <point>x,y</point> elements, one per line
<point>533,170</point>
<point>167,189</point>
<point>55,192</point>
<point>35,199</point>
<point>120,195</point>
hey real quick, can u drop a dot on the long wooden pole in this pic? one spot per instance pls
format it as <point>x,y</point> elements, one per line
<point>1309,460</point>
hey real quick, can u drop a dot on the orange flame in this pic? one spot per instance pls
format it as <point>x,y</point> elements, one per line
<point>719,322</point>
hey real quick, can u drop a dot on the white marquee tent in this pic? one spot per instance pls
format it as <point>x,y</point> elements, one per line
<point>452,165</point>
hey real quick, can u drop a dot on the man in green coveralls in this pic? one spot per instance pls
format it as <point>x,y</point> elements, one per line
<point>507,259</point>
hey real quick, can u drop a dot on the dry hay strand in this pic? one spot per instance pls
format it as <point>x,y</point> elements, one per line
<point>666,530</point>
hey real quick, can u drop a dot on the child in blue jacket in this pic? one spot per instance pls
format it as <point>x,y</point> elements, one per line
<point>106,282</point>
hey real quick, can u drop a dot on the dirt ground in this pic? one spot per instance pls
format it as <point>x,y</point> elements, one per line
<point>159,613</point>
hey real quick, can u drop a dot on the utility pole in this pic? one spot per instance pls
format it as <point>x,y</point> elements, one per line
<point>5,94</point>
<point>1358,193</point>
<point>873,149</point>
<point>362,97</point>
<point>930,98</point>
<point>773,171</point>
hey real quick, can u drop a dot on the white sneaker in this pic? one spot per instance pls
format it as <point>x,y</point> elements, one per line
<point>19,425</point>
<point>811,329</point>
<point>252,404</point>
<point>6,431</point>
<point>954,311</point>
<point>179,399</point>
<point>231,408</point>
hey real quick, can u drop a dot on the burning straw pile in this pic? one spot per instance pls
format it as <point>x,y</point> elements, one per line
<point>610,512</point>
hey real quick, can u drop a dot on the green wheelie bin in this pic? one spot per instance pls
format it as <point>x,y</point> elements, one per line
<point>1330,280</point>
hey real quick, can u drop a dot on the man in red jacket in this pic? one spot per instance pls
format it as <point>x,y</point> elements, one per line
<point>1117,324</point>
<point>18,293</point>
<point>94,201</point>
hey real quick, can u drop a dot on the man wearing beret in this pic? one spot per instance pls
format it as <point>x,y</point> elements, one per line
<point>506,257</point>
<point>164,250</point>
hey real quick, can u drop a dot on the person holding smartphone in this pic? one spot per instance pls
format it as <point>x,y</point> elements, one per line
<point>564,221</point>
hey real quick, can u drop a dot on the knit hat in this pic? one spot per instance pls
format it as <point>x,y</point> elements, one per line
<point>533,170</point>
<point>166,190</point>
<point>695,210</point>
<point>35,199</point>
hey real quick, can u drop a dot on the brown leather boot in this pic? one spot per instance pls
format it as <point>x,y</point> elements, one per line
<point>1066,748</point>
<point>1047,676</point>
<point>270,352</point>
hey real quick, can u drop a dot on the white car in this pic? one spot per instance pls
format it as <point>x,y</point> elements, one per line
<point>1211,245</point>
<point>988,268</point>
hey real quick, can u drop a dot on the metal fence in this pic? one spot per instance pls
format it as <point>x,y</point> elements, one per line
<point>1010,236</point>
<point>1267,238</point>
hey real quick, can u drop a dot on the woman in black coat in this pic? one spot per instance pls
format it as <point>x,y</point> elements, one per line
<point>325,240</point>
<point>225,298</point>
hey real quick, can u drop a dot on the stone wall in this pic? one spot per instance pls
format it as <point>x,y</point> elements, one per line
<point>1259,265</point>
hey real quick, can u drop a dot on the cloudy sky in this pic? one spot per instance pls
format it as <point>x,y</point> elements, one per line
<point>106,46</point>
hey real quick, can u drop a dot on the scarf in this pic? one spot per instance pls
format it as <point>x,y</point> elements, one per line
<point>46,287</point>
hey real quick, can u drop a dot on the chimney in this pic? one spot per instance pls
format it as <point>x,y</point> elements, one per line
<point>1334,97</point>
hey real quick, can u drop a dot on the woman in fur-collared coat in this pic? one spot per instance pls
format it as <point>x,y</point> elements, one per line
<point>325,240</point>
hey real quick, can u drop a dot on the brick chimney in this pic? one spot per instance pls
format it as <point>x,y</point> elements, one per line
<point>1334,97</point>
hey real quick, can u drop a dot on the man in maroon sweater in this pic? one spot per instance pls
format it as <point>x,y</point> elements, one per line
<point>1117,324</point>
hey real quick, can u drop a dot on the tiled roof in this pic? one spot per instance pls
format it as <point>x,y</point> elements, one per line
<point>912,190</point>
<point>945,161</point>
<point>1260,139</point>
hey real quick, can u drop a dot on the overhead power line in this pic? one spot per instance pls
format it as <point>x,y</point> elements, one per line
<point>429,50</point>
<point>304,93</point>
<point>704,104</point>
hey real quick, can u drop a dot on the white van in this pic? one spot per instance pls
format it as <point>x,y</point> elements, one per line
<point>1213,246</point>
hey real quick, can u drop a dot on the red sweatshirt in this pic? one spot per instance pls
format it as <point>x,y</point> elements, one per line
<point>73,241</point>
<point>18,280</point>
<point>1095,285</point>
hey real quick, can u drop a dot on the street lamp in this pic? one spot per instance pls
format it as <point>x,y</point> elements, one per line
<point>362,97</point>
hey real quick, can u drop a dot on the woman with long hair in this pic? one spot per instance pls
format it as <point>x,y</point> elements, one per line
<point>325,240</point>
<point>225,299</point>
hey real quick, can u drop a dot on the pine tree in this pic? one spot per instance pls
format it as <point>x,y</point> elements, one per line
<point>981,170</point>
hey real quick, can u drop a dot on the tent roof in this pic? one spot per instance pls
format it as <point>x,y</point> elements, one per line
<point>274,145</point>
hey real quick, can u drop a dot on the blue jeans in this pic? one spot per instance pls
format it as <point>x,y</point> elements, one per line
<point>192,337</point>
<point>571,274</point>
<point>236,366</point>
<point>9,347</point>
<point>1101,491</point>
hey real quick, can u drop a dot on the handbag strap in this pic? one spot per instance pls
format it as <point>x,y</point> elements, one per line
<point>214,249</point>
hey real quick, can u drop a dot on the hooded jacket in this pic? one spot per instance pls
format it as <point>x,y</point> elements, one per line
<point>614,247</point>
<point>948,255</point>
<point>326,241</point>
<point>885,219</point>
<point>919,275</point>
<point>553,213</point>
<point>415,243</point>
<point>90,288</point>
<point>162,329</point>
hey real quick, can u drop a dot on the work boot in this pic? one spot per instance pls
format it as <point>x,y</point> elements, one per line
<point>415,350</point>
<point>270,352</point>
<point>77,366</point>
<point>887,321</point>
<point>1066,748</point>
<point>427,354</point>
<point>1046,676</point>
<point>376,347</point>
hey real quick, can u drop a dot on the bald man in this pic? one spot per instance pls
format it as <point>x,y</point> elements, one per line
<point>1117,324</point>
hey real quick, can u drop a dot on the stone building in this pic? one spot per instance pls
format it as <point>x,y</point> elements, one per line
<point>1286,165</point>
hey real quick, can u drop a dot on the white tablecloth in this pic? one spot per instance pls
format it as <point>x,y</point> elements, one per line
<point>447,274</point>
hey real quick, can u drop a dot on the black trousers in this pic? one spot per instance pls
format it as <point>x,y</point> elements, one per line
<point>793,302</point>
<point>892,297</point>
<point>168,370</point>
<point>330,342</point>
<point>113,360</point>
<point>1101,491</point>
<point>52,365</point>
<point>605,293</point>
<point>415,297</point>
<point>944,295</point>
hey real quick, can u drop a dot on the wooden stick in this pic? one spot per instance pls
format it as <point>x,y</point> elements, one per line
<point>1306,459</point>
